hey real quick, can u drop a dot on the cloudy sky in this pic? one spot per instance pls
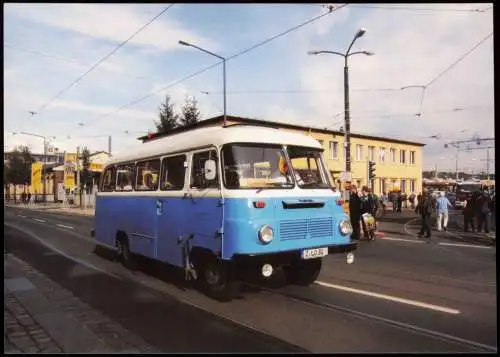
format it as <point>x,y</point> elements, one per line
<point>48,46</point>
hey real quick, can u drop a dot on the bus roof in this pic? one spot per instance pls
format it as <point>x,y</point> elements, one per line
<point>216,136</point>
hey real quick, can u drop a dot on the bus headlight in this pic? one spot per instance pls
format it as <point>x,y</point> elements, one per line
<point>266,234</point>
<point>345,227</point>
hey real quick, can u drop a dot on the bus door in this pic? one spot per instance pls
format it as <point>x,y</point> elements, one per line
<point>204,214</point>
<point>171,209</point>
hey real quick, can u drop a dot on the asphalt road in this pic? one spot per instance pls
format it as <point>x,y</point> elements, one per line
<point>400,295</point>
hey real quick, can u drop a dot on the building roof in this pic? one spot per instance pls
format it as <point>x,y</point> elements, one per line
<point>266,123</point>
<point>217,135</point>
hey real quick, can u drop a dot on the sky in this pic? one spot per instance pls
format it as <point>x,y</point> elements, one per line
<point>48,46</point>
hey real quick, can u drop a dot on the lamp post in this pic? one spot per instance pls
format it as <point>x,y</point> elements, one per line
<point>183,43</point>
<point>347,115</point>
<point>44,157</point>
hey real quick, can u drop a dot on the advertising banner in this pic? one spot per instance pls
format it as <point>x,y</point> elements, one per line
<point>69,170</point>
<point>36,177</point>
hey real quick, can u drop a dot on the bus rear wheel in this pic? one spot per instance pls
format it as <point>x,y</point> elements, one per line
<point>123,252</point>
<point>218,281</point>
<point>303,272</point>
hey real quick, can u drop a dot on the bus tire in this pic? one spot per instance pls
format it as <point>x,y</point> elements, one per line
<point>303,272</point>
<point>123,251</point>
<point>217,280</point>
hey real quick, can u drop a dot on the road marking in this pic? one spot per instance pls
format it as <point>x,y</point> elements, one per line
<point>39,220</point>
<point>405,227</point>
<point>391,298</point>
<point>20,215</point>
<point>402,240</point>
<point>63,226</point>
<point>51,247</point>
<point>465,245</point>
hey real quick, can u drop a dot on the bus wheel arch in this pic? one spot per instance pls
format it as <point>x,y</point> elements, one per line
<point>216,277</point>
<point>123,249</point>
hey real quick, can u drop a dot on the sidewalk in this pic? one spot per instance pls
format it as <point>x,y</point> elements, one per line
<point>55,207</point>
<point>41,316</point>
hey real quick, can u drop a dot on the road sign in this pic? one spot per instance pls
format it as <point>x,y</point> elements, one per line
<point>346,176</point>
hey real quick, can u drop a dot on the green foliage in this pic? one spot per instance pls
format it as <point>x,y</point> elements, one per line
<point>169,120</point>
<point>85,174</point>
<point>18,169</point>
<point>190,112</point>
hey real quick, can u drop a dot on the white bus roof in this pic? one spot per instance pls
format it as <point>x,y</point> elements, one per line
<point>216,136</point>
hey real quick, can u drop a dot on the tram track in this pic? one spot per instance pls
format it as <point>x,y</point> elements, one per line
<point>480,347</point>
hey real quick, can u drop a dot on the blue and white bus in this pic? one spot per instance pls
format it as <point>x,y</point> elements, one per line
<point>219,201</point>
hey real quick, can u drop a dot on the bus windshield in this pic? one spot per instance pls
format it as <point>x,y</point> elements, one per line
<point>249,166</point>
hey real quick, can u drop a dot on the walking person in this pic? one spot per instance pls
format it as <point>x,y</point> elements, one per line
<point>384,200</point>
<point>394,200</point>
<point>354,212</point>
<point>482,208</point>
<point>468,212</point>
<point>30,204</point>
<point>404,198</point>
<point>424,209</point>
<point>399,200</point>
<point>411,199</point>
<point>442,205</point>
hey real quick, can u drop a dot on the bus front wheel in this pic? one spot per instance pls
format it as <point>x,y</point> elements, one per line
<point>123,251</point>
<point>218,281</point>
<point>303,272</point>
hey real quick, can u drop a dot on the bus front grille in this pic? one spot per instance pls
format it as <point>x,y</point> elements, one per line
<point>306,228</point>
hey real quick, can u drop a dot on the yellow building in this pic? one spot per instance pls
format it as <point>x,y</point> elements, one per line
<point>398,163</point>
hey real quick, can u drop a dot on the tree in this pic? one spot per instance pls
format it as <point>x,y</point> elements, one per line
<point>85,175</point>
<point>18,169</point>
<point>168,118</point>
<point>190,112</point>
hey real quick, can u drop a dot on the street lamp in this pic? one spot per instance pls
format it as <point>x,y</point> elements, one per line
<point>347,128</point>
<point>44,157</point>
<point>183,43</point>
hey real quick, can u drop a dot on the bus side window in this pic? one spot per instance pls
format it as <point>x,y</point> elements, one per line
<point>173,173</point>
<point>197,172</point>
<point>109,179</point>
<point>125,177</point>
<point>148,173</point>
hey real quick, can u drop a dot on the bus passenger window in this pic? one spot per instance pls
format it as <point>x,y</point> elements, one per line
<point>148,173</point>
<point>125,177</point>
<point>198,174</point>
<point>173,173</point>
<point>109,179</point>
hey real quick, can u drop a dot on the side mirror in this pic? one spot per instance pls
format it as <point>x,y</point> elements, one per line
<point>210,170</point>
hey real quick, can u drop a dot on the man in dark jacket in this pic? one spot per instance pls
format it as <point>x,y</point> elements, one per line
<point>482,208</point>
<point>469,212</point>
<point>355,212</point>
<point>424,209</point>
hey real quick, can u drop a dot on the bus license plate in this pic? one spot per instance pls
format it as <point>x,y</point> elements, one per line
<point>314,253</point>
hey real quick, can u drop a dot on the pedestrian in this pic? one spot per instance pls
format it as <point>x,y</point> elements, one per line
<point>354,211</point>
<point>493,211</point>
<point>385,200</point>
<point>23,198</point>
<point>424,209</point>
<point>468,212</point>
<point>482,210</point>
<point>399,201</point>
<point>394,200</point>
<point>404,199</point>
<point>442,205</point>
<point>29,199</point>
<point>412,200</point>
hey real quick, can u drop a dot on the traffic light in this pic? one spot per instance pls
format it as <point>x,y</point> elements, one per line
<point>371,170</point>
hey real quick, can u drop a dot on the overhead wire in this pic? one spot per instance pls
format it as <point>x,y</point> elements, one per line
<point>67,60</point>
<point>413,8</point>
<point>179,81</point>
<point>104,58</point>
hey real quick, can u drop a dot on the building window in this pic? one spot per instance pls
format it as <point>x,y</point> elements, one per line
<point>402,156</point>
<point>382,185</point>
<point>359,152</point>
<point>412,157</point>
<point>393,155</point>
<point>334,150</point>
<point>382,154</point>
<point>371,153</point>
<point>403,186</point>
<point>412,186</point>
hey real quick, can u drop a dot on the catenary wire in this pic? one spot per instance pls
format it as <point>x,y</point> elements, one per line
<point>104,58</point>
<point>174,83</point>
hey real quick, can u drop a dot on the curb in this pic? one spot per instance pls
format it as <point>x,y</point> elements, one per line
<point>379,234</point>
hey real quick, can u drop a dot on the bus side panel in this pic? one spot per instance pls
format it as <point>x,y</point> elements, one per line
<point>172,225</point>
<point>105,220</point>
<point>294,229</point>
<point>139,219</point>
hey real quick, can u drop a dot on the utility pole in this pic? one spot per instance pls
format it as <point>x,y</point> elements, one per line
<point>109,145</point>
